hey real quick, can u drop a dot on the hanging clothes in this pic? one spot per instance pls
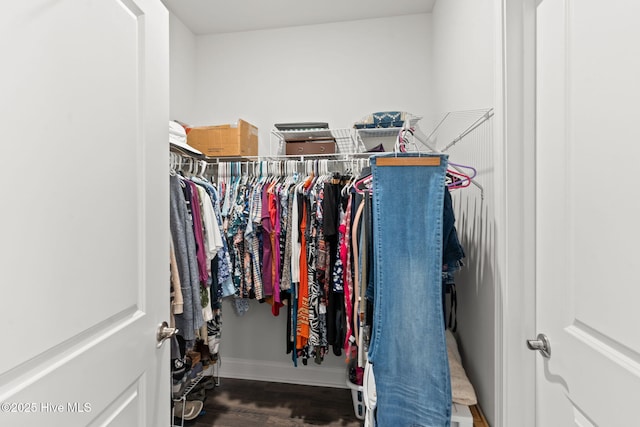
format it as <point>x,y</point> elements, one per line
<point>181,224</point>
<point>291,240</point>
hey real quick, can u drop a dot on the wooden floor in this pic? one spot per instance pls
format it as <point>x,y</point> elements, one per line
<point>242,403</point>
<point>478,417</point>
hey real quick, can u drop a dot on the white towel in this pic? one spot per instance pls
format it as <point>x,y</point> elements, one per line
<point>461,388</point>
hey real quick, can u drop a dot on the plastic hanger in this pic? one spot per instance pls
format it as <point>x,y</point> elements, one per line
<point>465,180</point>
<point>245,173</point>
<point>458,179</point>
<point>363,185</point>
<point>172,164</point>
<point>203,167</point>
<point>347,187</point>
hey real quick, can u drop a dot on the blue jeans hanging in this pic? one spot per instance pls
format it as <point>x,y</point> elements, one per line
<point>408,349</point>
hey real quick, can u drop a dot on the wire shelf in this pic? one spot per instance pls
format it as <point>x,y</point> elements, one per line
<point>379,132</point>
<point>347,140</point>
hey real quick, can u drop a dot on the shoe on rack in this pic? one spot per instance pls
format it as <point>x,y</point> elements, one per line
<point>203,349</point>
<point>198,395</point>
<point>191,409</point>
<point>213,347</point>
<point>209,383</point>
<point>179,387</point>
<point>195,370</point>
<point>194,356</point>
<point>178,369</point>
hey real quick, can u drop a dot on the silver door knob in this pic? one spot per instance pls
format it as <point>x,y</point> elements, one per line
<point>541,344</point>
<point>164,333</point>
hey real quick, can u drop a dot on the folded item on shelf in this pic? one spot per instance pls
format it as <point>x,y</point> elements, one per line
<point>462,390</point>
<point>377,149</point>
<point>386,119</point>
<point>178,137</point>
<point>305,131</point>
<point>301,126</point>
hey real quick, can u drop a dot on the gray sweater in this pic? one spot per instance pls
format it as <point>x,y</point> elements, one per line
<point>185,249</point>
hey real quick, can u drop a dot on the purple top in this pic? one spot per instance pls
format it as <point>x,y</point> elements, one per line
<point>197,231</point>
<point>267,278</point>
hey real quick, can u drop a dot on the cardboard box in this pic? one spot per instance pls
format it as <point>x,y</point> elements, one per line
<point>225,140</point>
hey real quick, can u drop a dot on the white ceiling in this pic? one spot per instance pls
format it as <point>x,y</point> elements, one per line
<point>224,16</point>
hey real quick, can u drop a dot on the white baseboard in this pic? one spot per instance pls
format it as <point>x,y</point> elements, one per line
<point>259,370</point>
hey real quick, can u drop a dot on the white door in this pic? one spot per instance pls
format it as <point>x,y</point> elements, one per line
<point>84,214</point>
<point>588,205</point>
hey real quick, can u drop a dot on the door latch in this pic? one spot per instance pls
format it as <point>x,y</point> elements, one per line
<point>164,332</point>
<point>541,344</point>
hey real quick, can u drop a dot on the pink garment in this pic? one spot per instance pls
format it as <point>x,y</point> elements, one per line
<point>198,233</point>
<point>274,216</point>
<point>267,276</point>
<point>345,249</point>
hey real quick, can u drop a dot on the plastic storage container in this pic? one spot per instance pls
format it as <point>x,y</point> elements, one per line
<point>358,400</point>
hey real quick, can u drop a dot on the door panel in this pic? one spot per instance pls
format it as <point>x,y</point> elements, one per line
<point>84,224</point>
<point>587,113</point>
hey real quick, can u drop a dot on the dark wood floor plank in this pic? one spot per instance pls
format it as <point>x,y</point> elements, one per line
<point>242,403</point>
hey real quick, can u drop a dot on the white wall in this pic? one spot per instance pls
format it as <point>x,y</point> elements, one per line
<point>464,79</point>
<point>182,70</point>
<point>336,73</point>
<point>463,54</point>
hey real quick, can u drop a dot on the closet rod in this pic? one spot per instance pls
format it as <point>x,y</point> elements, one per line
<point>353,163</point>
<point>290,157</point>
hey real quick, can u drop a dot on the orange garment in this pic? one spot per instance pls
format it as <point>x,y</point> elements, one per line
<point>302,329</point>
